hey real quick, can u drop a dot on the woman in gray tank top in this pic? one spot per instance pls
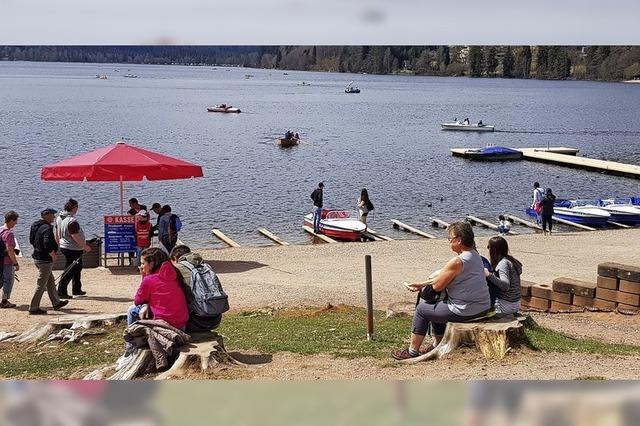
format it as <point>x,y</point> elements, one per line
<point>467,292</point>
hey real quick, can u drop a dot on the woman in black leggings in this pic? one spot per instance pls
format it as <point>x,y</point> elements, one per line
<point>547,210</point>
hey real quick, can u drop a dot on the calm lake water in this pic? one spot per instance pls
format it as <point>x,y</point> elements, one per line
<point>386,139</point>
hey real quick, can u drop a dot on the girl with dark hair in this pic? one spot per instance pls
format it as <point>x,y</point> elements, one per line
<point>364,205</point>
<point>504,282</point>
<point>161,293</point>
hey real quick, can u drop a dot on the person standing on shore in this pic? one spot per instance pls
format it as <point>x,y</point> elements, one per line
<point>538,194</point>
<point>364,205</point>
<point>10,263</point>
<point>168,227</point>
<point>143,233</point>
<point>316,196</point>
<point>157,209</point>
<point>73,245</point>
<point>44,254</point>
<point>136,207</point>
<point>546,211</point>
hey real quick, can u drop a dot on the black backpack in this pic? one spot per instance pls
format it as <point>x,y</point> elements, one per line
<point>3,250</point>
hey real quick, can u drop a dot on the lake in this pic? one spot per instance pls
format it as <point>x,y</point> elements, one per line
<point>387,139</point>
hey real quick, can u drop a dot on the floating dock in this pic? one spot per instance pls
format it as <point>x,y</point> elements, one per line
<point>559,150</point>
<point>321,236</point>
<point>474,219</point>
<point>604,166</point>
<point>563,156</point>
<point>220,235</point>
<point>405,227</point>
<point>272,237</point>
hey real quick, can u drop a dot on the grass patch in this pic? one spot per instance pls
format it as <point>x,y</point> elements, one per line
<point>60,361</point>
<point>339,331</point>
<point>543,339</point>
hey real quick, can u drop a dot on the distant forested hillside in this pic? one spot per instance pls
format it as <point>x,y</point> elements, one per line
<point>608,63</point>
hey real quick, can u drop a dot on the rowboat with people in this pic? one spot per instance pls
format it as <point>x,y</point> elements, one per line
<point>338,224</point>
<point>288,142</point>
<point>223,108</point>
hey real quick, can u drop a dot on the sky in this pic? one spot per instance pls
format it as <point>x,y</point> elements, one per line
<point>338,22</point>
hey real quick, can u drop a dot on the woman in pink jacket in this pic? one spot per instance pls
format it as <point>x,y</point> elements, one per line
<point>160,295</point>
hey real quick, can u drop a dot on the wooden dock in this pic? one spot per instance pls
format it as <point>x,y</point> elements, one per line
<point>576,225</point>
<point>524,222</point>
<point>619,225</point>
<point>560,150</point>
<point>321,236</point>
<point>609,167</point>
<point>405,227</point>
<point>435,222</point>
<point>220,235</point>
<point>272,237</point>
<point>377,235</point>
<point>487,224</point>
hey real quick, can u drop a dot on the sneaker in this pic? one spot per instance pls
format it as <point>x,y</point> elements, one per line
<point>402,355</point>
<point>5,304</point>
<point>60,305</point>
<point>64,296</point>
<point>79,293</point>
<point>37,312</point>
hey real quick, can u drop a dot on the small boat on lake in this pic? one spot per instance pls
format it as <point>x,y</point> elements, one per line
<point>338,224</point>
<point>621,210</point>
<point>493,153</point>
<point>223,108</point>
<point>351,88</point>
<point>581,211</point>
<point>129,75</point>
<point>102,76</point>
<point>467,127</point>
<point>304,83</point>
<point>288,143</point>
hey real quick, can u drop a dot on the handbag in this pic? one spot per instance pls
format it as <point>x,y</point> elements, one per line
<point>537,207</point>
<point>430,296</point>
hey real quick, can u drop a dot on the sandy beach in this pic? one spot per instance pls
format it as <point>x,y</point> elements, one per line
<point>314,275</point>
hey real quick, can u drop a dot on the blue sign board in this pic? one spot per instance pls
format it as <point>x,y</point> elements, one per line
<point>119,234</point>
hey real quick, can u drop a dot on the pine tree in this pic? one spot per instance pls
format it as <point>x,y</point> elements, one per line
<point>475,61</point>
<point>508,63</point>
<point>490,60</point>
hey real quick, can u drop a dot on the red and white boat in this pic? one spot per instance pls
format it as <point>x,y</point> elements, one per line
<point>338,224</point>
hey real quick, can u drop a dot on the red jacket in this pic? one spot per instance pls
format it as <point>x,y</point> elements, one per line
<point>162,292</point>
<point>143,233</point>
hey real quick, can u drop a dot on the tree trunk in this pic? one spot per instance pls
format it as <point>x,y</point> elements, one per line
<point>494,338</point>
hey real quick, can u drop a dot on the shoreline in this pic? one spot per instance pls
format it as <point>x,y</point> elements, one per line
<point>317,274</point>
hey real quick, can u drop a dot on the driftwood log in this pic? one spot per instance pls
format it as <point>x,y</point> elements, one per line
<point>67,322</point>
<point>493,337</point>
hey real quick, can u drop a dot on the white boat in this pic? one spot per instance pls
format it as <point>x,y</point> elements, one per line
<point>129,75</point>
<point>351,89</point>
<point>223,108</point>
<point>338,224</point>
<point>467,127</point>
<point>621,211</point>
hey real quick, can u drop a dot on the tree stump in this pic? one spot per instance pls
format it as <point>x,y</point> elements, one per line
<point>206,352</point>
<point>494,338</point>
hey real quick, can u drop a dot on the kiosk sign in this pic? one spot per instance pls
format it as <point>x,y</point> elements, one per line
<point>119,234</point>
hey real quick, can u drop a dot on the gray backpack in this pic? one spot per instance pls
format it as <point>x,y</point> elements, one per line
<point>209,298</point>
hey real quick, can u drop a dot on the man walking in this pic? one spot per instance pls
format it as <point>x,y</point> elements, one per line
<point>44,254</point>
<point>316,196</point>
<point>8,258</point>
<point>538,195</point>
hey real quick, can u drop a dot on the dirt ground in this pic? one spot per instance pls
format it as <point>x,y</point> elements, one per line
<point>314,275</point>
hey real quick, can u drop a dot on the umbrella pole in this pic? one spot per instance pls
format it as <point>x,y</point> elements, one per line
<point>121,195</point>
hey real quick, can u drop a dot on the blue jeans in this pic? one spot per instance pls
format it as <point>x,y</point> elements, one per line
<point>133,314</point>
<point>7,275</point>
<point>317,215</point>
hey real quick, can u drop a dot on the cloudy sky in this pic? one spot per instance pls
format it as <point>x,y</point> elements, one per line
<point>246,22</point>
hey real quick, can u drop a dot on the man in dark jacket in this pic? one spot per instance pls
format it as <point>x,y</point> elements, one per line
<point>316,196</point>
<point>44,254</point>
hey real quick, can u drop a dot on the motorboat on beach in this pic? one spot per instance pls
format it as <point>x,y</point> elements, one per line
<point>493,153</point>
<point>338,224</point>
<point>351,88</point>
<point>467,127</point>
<point>223,108</point>
<point>288,143</point>
<point>584,212</point>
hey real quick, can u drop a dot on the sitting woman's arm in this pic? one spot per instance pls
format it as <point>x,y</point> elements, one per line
<point>451,270</point>
<point>502,280</point>
<point>143,294</point>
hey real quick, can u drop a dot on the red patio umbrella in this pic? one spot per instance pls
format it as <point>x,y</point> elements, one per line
<point>119,163</point>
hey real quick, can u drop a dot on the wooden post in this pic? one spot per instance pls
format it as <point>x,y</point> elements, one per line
<point>367,267</point>
<point>220,235</point>
<point>405,227</point>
